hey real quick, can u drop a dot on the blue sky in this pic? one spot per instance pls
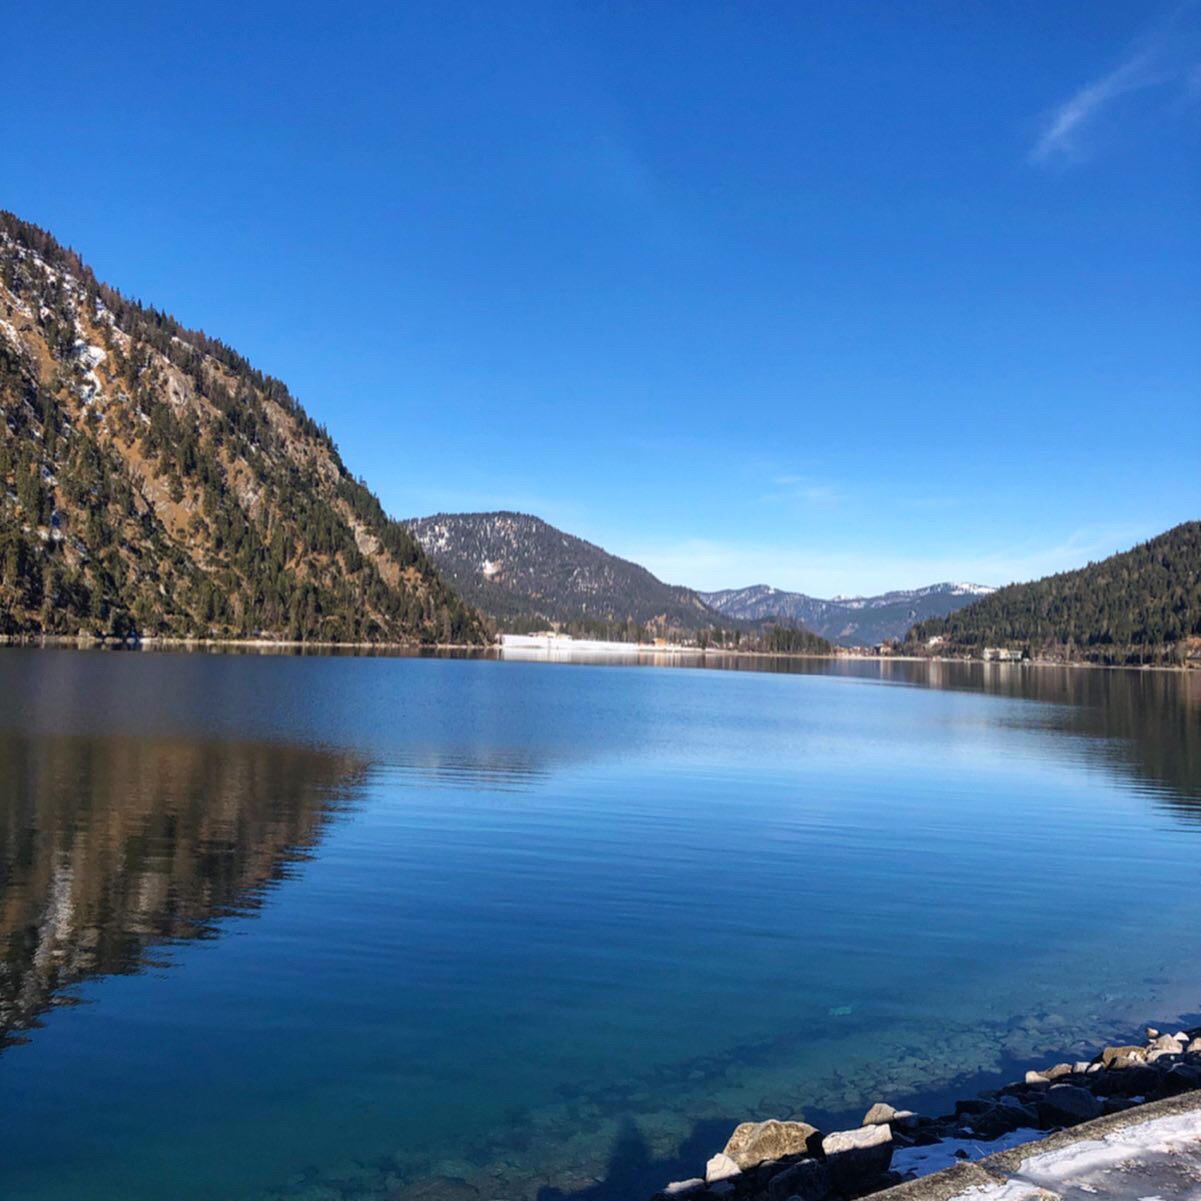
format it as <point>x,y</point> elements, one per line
<point>838,297</point>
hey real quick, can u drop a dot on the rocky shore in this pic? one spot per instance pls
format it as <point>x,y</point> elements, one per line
<point>777,1160</point>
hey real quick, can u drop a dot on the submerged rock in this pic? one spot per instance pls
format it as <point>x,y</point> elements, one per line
<point>753,1143</point>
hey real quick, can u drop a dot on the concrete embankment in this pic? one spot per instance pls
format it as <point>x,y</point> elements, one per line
<point>1150,1151</point>
<point>997,1140</point>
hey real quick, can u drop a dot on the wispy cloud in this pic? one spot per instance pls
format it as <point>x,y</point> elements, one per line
<point>1168,55</point>
<point>804,488</point>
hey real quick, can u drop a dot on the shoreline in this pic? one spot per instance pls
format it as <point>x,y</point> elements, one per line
<point>777,1159</point>
<point>566,654</point>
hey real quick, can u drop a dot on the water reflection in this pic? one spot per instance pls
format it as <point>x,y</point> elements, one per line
<point>569,912</point>
<point>1145,724</point>
<point>112,847</point>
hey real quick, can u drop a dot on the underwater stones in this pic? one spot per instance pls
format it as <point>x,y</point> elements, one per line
<point>754,1142</point>
<point>1068,1104</point>
<point>721,1167</point>
<point>452,1188</point>
<point>857,1158</point>
<point>808,1180</point>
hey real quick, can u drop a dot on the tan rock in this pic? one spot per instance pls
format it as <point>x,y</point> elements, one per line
<point>1129,1054</point>
<point>756,1142</point>
<point>879,1114</point>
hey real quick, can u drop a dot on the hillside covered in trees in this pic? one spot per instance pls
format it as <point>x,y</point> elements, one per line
<point>1140,606</point>
<point>527,575</point>
<point>152,482</point>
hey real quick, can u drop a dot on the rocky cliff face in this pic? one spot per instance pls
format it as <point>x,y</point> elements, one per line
<point>152,481</point>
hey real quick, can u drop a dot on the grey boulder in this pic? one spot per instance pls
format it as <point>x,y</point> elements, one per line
<point>1067,1105</point>
<point>809,1180</point>
<point>858,1158</point>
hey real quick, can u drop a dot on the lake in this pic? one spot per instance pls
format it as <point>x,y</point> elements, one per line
<point>342,928</point>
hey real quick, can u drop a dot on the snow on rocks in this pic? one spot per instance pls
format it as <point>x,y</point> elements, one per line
<point>681,1188</point>
<point>89,355</point>
<point>721,1167</point>
<point>933,1157</point>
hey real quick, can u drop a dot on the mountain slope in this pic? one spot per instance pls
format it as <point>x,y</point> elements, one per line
<point>1143,605</point>
<point>849,621</point>
<point>526,574</point>
<point>152,481</point>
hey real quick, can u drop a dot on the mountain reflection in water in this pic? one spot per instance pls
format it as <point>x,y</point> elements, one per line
<point>112,848</point>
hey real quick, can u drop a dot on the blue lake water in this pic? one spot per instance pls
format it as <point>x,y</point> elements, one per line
<point>355,928</point>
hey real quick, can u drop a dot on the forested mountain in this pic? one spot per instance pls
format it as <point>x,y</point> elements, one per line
<point>848,621</point>
<point>152,481</point>
<point>1140,606</point>
<point>527,575</point>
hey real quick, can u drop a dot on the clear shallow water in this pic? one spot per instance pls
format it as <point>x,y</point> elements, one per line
<point>362,928</point>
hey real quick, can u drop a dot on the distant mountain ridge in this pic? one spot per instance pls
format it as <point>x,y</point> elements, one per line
<point>1140,606</point>
<point>848,621</point>
<point>526,574</point>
